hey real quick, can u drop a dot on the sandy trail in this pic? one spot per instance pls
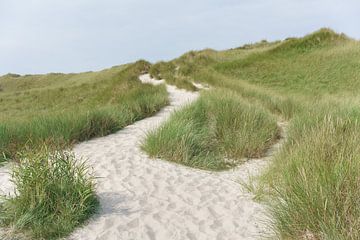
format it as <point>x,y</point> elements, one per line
<point>143,198</point>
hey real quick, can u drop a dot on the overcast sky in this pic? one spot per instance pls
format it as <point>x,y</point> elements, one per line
<point>38,36</point>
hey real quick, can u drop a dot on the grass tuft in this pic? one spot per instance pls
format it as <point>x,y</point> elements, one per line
<point>54,194</point>
<point>213,132</point>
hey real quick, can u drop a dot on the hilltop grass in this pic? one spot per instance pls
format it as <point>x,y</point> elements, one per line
<point>313,82</point>
<point>219,126</point>
<point>62,114</point>
<point>54,194</point>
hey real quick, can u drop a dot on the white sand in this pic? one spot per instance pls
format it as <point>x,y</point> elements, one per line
<point>6,186</point>
<point>143,198</point>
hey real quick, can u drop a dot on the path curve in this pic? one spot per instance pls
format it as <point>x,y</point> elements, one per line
<point>145,198</point>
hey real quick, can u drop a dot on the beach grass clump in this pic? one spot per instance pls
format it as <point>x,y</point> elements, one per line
<point>314,181</point>
<point>214,133</point>
<point>54,194</point>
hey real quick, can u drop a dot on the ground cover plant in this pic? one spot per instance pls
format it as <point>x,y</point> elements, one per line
<point>312,185</point>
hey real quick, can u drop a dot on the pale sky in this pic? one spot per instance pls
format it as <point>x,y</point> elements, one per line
<point>39,36</point>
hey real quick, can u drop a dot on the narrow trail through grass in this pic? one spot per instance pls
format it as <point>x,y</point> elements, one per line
<point>311,186</point>
<point>144,198</point>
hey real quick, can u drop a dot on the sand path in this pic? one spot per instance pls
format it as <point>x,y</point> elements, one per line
<point>143,198</point>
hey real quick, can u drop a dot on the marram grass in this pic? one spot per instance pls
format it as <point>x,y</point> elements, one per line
<point>219,126</point>
<point>54,194</point>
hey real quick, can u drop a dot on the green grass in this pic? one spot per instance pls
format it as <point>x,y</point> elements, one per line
<point>55,193</point>
<point>63,109</point>
<point>312,82</point>
<point>219,126</point>
<point>317,188</point>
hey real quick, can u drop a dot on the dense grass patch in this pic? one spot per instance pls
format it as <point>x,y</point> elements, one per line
<point>58,118</point>
<point>219,126</point>
<point>55,193</point>
<point>316,177</point>
<point>318,64</point>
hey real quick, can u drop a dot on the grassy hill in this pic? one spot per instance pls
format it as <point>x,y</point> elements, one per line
<point>313,82</point>
<point>59,109</point>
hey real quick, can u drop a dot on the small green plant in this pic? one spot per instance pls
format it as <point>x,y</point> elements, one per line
<point>54,194</point>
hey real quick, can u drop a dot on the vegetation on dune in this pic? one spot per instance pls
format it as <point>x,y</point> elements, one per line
<point>313,82</point>
<point>314,180</point>
<point>73,108</point>
<point>55,193</point>
<point>213,132</point>
<point>322,38</point>
<point>169,72</point>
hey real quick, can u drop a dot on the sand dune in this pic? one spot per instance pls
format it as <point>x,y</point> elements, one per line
<point>143,198</point>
